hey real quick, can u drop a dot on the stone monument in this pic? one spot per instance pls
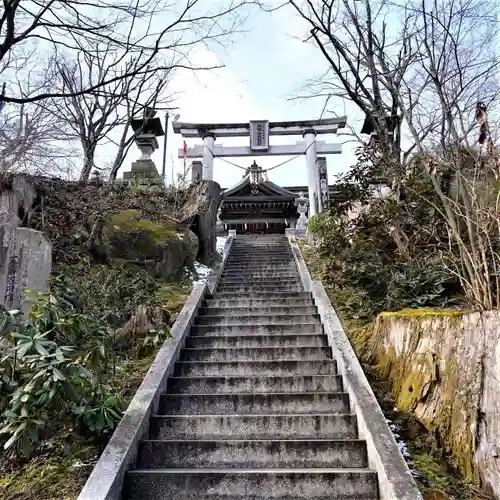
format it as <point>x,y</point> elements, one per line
<point>219,226</point>
<point>147,129</point>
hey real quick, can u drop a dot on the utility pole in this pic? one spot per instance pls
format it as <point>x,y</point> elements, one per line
<point>163,174</point>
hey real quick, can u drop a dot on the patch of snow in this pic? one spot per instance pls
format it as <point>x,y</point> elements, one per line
<point>200,273</point>
<point>403,448</point>
<point>401,444</point>
<point>221,243</point>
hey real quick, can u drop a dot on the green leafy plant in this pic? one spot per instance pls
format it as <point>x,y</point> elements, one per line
<point>43,380</point>
<point>358,259</point>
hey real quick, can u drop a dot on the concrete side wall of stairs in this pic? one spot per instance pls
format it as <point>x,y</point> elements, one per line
<point>258,402</point>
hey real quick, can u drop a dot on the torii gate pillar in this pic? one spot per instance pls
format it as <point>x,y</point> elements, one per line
<point>312,172</point>
<point>208,157</point>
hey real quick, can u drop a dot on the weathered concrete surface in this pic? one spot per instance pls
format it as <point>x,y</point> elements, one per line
<point>445,368</point>
<point>106,480</point>
<point>25,263</point>
<point>394,477</point>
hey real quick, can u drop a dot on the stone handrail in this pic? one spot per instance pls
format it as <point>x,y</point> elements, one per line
<point>395,479</point>
<point>107,477</point>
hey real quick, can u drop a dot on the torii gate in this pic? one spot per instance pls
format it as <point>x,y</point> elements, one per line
<point>259,132</point>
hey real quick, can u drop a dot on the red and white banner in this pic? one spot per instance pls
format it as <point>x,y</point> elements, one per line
<point>185,156</point>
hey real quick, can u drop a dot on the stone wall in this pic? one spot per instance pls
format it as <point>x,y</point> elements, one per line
<point>444,366</point>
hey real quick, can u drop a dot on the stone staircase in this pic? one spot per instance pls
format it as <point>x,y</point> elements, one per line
<point>255,408</point>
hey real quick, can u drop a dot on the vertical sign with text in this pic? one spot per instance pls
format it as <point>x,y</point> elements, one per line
<point>259,135</point>
<point>324,192</point>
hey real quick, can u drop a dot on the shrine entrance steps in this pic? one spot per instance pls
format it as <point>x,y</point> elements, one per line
<point>256,408</point>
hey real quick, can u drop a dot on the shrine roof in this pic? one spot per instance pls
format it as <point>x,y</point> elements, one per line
<point>265,189</point>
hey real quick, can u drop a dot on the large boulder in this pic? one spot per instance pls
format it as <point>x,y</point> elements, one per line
<point>199,211</point>
<point>156,245</point>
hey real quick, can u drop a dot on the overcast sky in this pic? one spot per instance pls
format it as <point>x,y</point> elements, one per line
<point>263,68</point>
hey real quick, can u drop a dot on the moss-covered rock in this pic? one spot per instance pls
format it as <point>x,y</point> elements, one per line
<point>156,245</point>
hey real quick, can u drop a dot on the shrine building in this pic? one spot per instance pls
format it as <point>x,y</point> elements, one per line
<point>258,206</point>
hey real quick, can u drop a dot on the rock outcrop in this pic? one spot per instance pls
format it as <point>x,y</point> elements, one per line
<point>200,211</point>
<point>163,231</point>
<point>444,366</point>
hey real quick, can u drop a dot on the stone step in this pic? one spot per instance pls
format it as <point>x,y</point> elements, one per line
<point>244,404</point>
<point>287,328</point>
<point>255,454</point>
<point>256,340</point>
<point>262,302</point>
<point>260,268</point>
<point>242,279</point>
<point>256,353</point>
<point>260,275</point>
<point>203,330</point>
<point>263,295</point>
<point>266,283</point>
<point>281,368</point>
<point>267,280</point>
<point>258,289</point>
<point>258,262</point>
<point>227,484</point>
<point>254,384</point>
<point>254,427</point>
<point>237,272</point>
<point>280,270</point>
<point>258,256</point>
<point>263,309</point>
<point>260,241</point>
<point>257,252</point>
<point>243,320</point>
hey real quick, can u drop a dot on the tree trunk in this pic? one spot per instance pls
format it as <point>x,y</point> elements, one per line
<point>88,162</point>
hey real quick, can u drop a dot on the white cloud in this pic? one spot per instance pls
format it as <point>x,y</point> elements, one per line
<point>210,96</point>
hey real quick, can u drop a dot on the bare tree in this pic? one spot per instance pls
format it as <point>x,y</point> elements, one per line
<point>417,83</point>
<point>152,33</point>
<point>32,139</point>
<point>459,57</point>
<point>366,64</point>
<point>99,117</point>
<point>459,63</point>
<point>430,75</point>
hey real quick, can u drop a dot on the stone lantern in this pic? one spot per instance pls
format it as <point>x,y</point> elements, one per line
<point>301,226</point>
<point>147,129</point>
